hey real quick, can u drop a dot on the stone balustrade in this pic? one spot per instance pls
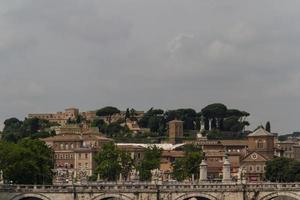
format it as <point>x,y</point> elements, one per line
<point>146,186</point>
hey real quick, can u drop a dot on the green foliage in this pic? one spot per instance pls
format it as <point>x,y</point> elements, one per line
<point>215,135</point>
<point>154,120</point>
<point>112,130</point>
<point>224,119</point>
<point>14,129</point>
<point>268,127</point>
<point>111,161</point>
<point>108,111</point>
<point>185,167</point>
<point>150,161</point>
<point>188,116</point>
<point>27,162</point>
<point>283,170</point>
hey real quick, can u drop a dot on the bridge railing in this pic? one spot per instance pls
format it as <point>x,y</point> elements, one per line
<point>146,186</point>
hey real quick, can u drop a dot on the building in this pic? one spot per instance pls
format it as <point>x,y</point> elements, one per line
<point>262,142</point>
<point>73,154</point>
<point>170,152</point>
<point>60,118</point>
<point>175,130</point>
<point>261,148</point>
<point>286,148</point>
<point>296,152</point>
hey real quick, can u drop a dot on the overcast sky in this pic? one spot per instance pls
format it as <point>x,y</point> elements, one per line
<point>161,53</point>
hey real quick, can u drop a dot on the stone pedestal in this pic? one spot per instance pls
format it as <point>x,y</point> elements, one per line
<point>226,170</point>
<point>203,171</point>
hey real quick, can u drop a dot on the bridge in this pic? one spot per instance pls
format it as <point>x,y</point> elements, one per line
<point>151,191</point>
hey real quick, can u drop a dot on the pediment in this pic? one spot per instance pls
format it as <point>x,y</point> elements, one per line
<point>254,156</point>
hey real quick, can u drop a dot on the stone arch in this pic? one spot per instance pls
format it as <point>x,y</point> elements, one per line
<point>195,195</point>
<point>118,196</point>
<point>28,195</point>
<point>280,194</point>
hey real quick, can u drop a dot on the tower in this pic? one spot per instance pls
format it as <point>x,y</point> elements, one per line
<point>175,130</point>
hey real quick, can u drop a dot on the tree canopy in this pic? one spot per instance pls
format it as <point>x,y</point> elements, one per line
<point>223,118</point>
<point>188,165</point>
<point>111,161</point>
<point>27,162</point>
<point>14,129</point>
<point>108,111</point>
<point>283,170</point>
<point>150,161</point>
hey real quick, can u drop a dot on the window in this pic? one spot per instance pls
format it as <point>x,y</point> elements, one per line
<point>257,168</point>
<point>67,146</point>
<point>86,165</point>
<point>250,168</point>
<point>72,146</point>
<point>61,146</point>
<point>71,156</point>
<point>260,144</point>
<point>56,156</point>
<point>61,156</point>
<point>66,156</point>
<point>86,155</point>
<point>79,155</point>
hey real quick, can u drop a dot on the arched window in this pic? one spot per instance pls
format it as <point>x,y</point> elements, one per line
<point>260,144</point>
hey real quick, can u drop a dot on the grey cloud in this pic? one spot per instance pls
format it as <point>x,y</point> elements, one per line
<point>168,54</point>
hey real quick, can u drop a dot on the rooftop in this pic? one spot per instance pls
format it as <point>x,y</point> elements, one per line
<point>260,132</point>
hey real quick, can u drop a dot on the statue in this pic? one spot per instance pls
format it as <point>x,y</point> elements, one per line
<point>134,175</point>
<point>1,177</point>
<point>156,175</point>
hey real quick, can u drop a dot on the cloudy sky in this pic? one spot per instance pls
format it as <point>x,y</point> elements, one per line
<point>161,53</point>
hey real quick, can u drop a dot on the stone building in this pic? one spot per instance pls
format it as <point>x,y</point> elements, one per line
<point>73,154</point>
<point>175,130</point>
<point>60,118</point>
<point>261,148</point>
<point>286,148</point>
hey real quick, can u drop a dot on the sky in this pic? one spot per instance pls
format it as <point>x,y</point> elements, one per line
<point>152,53</point>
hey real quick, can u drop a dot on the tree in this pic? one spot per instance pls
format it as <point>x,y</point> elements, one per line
<point>283,170</point>
<point>108,111</point>
<point>27,162</point>
<point>224,119</point>
<point>150,161</point>
<point>14,129</point>
<point>154,120</point>
<point>214,112</point>
<point>268,127</point>
<point>127,164</point>
<point>100,123</point>
<point>111,161</point>
<point>188,165</point>
<point>107,162</point>
<point>187,115</point>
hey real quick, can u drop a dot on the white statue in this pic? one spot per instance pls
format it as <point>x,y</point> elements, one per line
<point>1,177</point>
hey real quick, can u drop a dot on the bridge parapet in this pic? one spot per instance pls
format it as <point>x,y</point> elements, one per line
<point>146,186</point>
